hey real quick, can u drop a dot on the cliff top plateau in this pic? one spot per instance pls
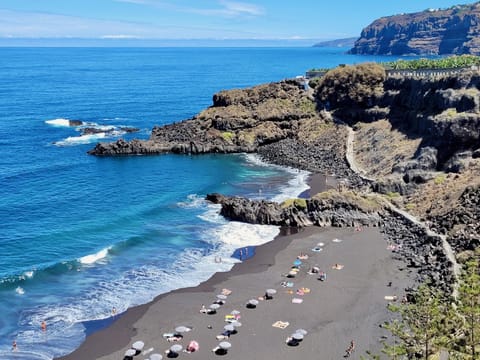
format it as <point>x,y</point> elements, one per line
<point>455,30</point>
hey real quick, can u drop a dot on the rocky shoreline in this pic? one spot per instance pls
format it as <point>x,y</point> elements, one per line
<point>287,124</point>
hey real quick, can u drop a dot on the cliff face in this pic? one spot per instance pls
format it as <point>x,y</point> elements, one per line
<point>451,31</point>
<point>238,121</point>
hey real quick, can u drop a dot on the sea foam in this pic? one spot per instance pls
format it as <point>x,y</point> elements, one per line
<point>58,122</point>
<point>93,258</point>
<point>295,186</point>
<point>83,139</point>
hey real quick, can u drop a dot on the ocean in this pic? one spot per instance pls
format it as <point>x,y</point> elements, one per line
<point>81,235</point>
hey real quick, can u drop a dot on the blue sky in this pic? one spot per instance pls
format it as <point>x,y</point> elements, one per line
<point>199,19</point>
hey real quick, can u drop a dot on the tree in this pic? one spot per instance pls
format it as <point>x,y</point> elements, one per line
<point>422,327</point>
<point>469,306</point>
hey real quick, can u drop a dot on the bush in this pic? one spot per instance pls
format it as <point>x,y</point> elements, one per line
<point>351,86</point>
<point>298,203</point>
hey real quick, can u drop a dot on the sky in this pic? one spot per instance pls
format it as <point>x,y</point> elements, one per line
<point>286,20</point>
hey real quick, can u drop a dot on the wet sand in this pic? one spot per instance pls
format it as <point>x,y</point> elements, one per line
<point>349,305</point>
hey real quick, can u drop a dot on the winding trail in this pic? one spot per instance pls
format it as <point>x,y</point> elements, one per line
<point>449,253</point>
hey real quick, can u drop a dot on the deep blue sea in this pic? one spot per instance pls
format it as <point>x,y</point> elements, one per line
<point>80,235</point>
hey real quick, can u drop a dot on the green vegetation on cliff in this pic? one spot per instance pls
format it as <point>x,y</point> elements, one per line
<point>351,86</point>
<point>449,62</point>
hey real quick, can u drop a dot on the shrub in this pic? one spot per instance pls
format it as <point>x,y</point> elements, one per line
<point>440,179</point>
<point>298,203</point>
<point>352,86</point>
<point>228,136</point>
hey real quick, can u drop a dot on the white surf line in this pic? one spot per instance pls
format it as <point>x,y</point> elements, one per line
<point>447,249</point>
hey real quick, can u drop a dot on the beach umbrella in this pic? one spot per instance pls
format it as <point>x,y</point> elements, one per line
<point>253,302</point>
<point>292,273</point>
<point>182,329</point>
<point>224,345</point>
<point>130,352</point>
<point>236,323</point>
<point>138,345</point>
<point>156,357</point>
<point>301,331</point>
<point>176,348</point>
<point>320,244</point>
<point>235,312</point>
<point>297,262</point>
<point>229,327</point>
<point>297,336</point>
<point>221,297</point>
<point>214,306</point>
<point>271,291</point>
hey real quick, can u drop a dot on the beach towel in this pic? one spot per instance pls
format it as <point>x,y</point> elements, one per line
<point>391,297</point>
<point>297,301</point>
<point>226,292</point>
<point>280,324</point>
<point>337,240</point>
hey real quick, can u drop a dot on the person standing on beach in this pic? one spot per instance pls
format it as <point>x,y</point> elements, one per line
<point>43,326</point>
<point>14,345</point>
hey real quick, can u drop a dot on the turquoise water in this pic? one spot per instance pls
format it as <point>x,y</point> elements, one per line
<point>81,235</point>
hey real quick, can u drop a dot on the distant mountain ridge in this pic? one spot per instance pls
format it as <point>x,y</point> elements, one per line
<point>431,32</point>
<point>347,42</point>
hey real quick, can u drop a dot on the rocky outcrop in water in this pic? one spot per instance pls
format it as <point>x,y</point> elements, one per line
<point>326,209</point>
<point>451,31</point>
<point>238,121</point>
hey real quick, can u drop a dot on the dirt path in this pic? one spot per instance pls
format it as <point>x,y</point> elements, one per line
<point>449,253</point>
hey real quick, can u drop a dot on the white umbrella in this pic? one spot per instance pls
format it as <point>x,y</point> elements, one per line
<point>301,331</point>
<point>297,336</point>
<point>176,348</point>
<point>156,357</point>
<point>235,312</point>
<point>271,291</point>
<point>224,345</point>
<point>214,306</point>
<point>236,323</point>
<point>138,345</point>
<point>229,327</point>
<point>130,352</point>
<point>182,329</point>
<point>253,302</point>
<point>221,297</point>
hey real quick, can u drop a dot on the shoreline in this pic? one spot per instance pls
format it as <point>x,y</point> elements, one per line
<point>135,323</point>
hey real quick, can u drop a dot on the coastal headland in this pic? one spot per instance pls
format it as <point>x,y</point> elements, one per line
<point>404,154</point>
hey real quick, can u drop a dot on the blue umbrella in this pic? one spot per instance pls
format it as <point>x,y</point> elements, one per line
<point>297,262</point>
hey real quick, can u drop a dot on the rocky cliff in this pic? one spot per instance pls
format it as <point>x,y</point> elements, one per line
<point>238,121</point>
<point>450,31</point>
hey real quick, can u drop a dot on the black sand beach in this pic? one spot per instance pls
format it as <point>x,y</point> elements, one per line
<point>349,305</point>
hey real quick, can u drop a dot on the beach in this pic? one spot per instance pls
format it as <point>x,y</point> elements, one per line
<point>349,305</point>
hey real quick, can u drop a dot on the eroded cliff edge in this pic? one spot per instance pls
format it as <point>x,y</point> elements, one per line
<point>434,31</point>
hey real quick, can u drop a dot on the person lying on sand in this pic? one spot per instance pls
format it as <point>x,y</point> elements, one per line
<point>350,349</point>
<point>337,267</point>
<point>302,256</point>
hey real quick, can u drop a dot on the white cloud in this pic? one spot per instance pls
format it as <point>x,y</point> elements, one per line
<point>18,24</point>
<point>225,8</point>
<point>119,36</point>
<point>240,8</point>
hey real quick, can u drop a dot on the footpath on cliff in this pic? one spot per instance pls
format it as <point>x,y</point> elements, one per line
<point>350,158</point>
